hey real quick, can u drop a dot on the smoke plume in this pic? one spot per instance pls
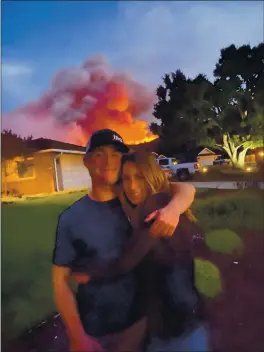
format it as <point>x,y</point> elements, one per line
<point>83,99</point>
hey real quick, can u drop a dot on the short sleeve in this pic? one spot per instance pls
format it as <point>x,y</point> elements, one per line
<point>64,253</point>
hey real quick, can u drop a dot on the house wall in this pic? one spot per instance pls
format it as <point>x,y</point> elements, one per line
<point>206,159</point>
<point>41,182</point>
<point>250,158</point>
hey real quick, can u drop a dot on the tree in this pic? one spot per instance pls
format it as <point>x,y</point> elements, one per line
<point>12,145</point>
<point>227,113</point>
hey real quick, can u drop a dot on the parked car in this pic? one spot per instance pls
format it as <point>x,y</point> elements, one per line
<point>221,161</point>
<point>184,171</point>
<point>168,172</point>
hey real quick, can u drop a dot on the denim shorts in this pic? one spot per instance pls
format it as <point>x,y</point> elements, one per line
<point>196,341</point>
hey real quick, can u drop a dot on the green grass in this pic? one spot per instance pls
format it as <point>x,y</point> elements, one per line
<point>239,210</point>
<point>224,241</point>
<point>201,190</point>
<point>207,278</point>
<point>28,235</point>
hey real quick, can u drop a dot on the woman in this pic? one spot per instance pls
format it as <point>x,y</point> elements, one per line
<point>176,318</point>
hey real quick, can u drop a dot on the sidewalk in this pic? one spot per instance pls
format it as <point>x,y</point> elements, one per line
<point>228,184</point>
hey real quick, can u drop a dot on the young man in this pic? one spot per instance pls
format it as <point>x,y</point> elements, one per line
<point>95,227</point>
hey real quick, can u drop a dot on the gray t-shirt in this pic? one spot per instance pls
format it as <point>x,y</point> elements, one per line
<point>98,231</point>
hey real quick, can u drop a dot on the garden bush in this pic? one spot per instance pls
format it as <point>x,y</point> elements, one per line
<point>207,278</point>
<point>224,241</point>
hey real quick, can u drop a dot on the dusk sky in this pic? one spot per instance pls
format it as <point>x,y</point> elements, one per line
<point>144,39</point>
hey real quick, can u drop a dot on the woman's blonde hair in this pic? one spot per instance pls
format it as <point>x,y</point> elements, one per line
<point>155,177</point>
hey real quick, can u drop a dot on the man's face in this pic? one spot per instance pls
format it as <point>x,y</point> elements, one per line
<point>104,165</point>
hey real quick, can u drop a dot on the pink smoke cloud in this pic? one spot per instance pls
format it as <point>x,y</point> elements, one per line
<point>83,99</point>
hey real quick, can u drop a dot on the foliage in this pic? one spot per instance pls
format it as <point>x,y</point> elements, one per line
<point>224,241</point>
<point>13,145</point>
<point>207,278</point>
<point>227,113</point>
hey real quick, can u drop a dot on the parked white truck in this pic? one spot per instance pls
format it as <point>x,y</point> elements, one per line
<point>184,171</point>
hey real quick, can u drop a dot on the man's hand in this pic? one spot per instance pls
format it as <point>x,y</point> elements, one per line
<point>166,221</point>
<point>85,343</point>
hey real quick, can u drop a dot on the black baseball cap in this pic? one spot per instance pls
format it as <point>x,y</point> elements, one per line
<point>106,137</point>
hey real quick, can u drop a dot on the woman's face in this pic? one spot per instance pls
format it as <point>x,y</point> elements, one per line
<point>134,183</point>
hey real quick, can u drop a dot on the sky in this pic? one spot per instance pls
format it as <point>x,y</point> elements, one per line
<point>144,39</point>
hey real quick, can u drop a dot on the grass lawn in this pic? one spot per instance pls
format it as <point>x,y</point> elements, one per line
<point>28,234</point>
<point>235,210</point>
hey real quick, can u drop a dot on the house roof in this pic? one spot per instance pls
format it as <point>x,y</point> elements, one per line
<point>61,151</point>
<point>41,144</point>
<point>206,151</point>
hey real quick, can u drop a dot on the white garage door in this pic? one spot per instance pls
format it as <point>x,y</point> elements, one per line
<point>206,162</point>
<point>74,173</point>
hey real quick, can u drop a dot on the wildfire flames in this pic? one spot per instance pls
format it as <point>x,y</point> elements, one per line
<point>90,97</point>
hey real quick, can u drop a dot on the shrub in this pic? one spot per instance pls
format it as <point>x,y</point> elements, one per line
<point>224,241</point>
<point>207,278</point>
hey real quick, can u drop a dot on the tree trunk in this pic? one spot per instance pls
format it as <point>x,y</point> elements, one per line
<point>230,149</point>
<point>237,159</point>
<point>241,158</point>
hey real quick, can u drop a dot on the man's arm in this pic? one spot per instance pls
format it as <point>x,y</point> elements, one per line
<point>182,196</point>
<point>167,218</point>
<point>66,303</point>
<point>63,255</point>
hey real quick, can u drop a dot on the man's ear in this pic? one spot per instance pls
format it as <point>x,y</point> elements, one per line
<point>86,160</point>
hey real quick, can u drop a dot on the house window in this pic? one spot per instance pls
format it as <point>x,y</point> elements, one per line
<point>25,169</point>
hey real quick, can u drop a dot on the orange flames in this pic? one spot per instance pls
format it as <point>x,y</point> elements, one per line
<point>114,110</point>
<point>82,100</point>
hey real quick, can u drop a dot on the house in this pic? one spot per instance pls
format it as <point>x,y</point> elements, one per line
<point>52,166</point>
<point>202,155</point>
<point>255,155</point>
<point>206,156</point>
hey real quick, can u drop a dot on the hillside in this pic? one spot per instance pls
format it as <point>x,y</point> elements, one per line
<point>152,146</point>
